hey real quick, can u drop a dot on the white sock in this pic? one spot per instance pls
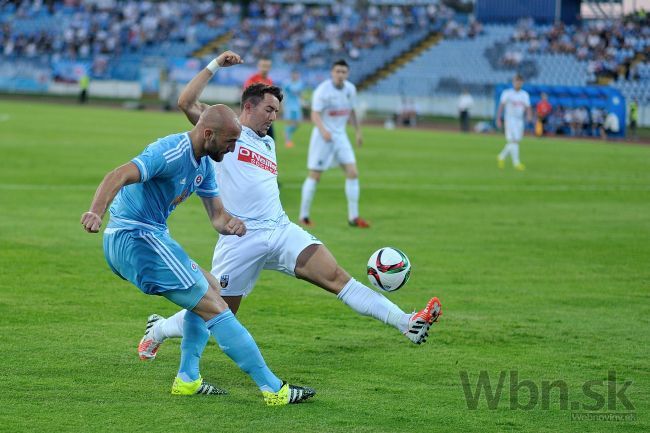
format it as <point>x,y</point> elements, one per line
<point>367,302</point>
<point>170,327</point>
<point>308,191</point>
<point>504,153</point>
<point>514,151</point>
<point>352,193</point>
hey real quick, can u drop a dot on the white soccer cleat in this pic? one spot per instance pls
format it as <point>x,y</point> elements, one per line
<point>420,322</point>
<point>148,347</point>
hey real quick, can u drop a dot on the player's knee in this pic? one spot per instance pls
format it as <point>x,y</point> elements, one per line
<point>210,305</point>
<point>315,175</point>
<point>351,171</point>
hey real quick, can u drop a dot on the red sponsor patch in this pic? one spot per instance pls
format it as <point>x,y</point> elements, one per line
<point>335,113</point>
<point>257,160</point>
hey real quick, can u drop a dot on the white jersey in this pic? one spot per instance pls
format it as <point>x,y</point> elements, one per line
<point>335,105</point>
<point>515,103</point>
<point>247,180</point>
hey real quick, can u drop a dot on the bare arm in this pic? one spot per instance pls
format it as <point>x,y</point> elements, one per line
<point>529,114</point>
<point>106,191</point>
<point>318,121</point>
<point>357,127</point>
<point>499,114</point>
<point>188,101</point>
<point>221,220</point>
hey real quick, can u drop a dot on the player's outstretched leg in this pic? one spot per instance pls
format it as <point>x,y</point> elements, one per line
<point>317,265</point>
<point>368,302</point>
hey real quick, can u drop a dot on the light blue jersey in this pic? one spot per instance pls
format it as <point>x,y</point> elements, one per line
<point>169,174</point>
<point>291,101</point>
<point>137,244</point>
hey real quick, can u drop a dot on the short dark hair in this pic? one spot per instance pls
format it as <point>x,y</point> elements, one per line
<point>340,62</point>
<point>255,93</point>
<point>519,77</point>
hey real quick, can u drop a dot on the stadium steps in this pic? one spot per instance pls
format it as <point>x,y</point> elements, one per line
<point>214,45</point>
<point>399,60</point>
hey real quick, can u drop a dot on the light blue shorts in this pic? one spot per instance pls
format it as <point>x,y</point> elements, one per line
<point>156,264</point>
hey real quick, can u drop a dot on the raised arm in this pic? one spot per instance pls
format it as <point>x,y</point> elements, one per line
<point>221,220</point>
<point>188,101</point>
<point>106,191</point>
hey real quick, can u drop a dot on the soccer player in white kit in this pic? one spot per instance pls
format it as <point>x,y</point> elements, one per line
<point>332,105</point>
<point>516,103</point>
<point>247,180</point>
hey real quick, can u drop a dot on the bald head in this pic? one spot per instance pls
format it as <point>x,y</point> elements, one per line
<point>218,128</point>
<point>219,117</point>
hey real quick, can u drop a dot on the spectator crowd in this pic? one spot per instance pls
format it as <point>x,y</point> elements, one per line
<point>613,48</point>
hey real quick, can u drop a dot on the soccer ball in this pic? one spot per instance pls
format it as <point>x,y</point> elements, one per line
<point>388,269</point>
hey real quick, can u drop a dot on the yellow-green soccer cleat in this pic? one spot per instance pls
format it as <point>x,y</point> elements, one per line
<point>501,163</point>
<point>197,387</point>
<point>520,167</point>
<point>288,394</point>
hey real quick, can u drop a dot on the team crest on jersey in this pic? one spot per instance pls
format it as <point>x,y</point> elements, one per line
<point>223,281</point>
<point>198,179</point>
<point>194,266</point>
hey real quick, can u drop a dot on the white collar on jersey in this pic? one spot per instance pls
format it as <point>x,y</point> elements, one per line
<point>267,140</point>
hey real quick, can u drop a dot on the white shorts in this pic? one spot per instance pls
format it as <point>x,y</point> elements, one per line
<point>326,154</point>
<point>514,130</point>
<point>237,262</point>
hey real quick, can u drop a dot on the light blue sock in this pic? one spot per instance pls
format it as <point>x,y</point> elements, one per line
<point>289,130</point>
<point>195,337</point>
<point>239,345</point>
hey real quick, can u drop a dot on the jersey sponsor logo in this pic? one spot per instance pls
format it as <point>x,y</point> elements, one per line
<point>198,179</point>
<point>337,113</point>
<point>254,158</point>
<point>178,200</point>
<point>223,281</point>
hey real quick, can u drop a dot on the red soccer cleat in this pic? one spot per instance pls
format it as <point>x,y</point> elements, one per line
<point>360,223</point>
<point>420,322</point>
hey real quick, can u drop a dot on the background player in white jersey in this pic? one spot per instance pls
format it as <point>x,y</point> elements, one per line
<point>292,106</point>
<point>332,104</point>
<point>249,190</point>
<point>516,103</point>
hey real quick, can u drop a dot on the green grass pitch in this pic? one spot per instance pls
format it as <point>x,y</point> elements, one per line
<point>544,273</point>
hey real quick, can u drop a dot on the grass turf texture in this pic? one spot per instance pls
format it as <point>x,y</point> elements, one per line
<point>543,272</point>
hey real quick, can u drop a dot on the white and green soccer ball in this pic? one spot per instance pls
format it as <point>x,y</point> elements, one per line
<point>389,269</point>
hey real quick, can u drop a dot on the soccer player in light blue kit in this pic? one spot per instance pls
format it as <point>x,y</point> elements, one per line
<point>292,106</point>
<point>138,247</point>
